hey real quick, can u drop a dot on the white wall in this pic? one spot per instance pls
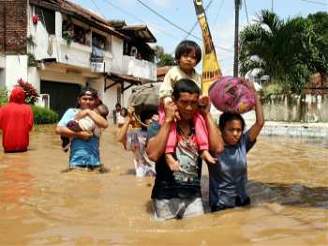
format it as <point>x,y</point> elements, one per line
<point>2,61</point>
<point>117,53</point>
<point>2,77</point>
<point>62,77</point>
<point>16,68</point>
<point>34,77</point>
<point>139,68</point>
<point>45,44</point>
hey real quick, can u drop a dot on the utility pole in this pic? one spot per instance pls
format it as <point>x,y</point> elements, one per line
<point>271,5</point>
<point>236,43</point>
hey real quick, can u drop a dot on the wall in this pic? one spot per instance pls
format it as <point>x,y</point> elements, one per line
<point>293,108</point>
<point>2,77</point>
<point>117,53</point>
<point>16,68</point>
<point>13,27</point>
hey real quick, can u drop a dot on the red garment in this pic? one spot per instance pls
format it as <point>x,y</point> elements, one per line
<point>16,120</point>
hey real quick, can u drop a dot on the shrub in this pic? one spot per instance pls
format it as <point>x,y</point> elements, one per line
<point>44,115</point>
<point>31,94</point>
<point>3,95</point>
<point>272,89</point>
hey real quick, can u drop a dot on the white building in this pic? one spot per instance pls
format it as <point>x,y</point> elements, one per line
<point>68,47</point>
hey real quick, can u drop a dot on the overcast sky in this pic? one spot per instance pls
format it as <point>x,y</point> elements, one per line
<point>220,15</point>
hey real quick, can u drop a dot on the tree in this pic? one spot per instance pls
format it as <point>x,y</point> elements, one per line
<point>319,21</point>
<point>284,50</point>
<point>162,58</point>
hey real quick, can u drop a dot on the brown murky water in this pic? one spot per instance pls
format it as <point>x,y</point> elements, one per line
<point>39,205</point>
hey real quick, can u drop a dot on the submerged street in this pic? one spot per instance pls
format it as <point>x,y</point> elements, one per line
<point>39,204</point>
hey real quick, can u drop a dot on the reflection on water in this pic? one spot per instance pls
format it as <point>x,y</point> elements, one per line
<point>41,205</point>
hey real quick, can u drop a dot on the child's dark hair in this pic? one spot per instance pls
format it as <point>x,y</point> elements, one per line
<point>187,46</point>
<point>185,85</point>
<point>147,114</point>
<point>228,116</point>
<point>124,112</point>
<point>103,110</point>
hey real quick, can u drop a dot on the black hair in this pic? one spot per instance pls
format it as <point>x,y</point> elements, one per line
<point>118,105</point>
<point>228,116</point>
<point>185,85</point>
<point>187,46</point>
<point>87,91</point>
<point>147,113</point>
<point>124,112</point>
<point>103,110</point>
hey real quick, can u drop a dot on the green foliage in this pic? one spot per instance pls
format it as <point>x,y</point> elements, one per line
<point>272,89</point>
<point>162,58</point>
<point>166,60</point>
<point>31,61</point>
<point>44,115</point>
<point>3,95</point>
<point>289,51</point>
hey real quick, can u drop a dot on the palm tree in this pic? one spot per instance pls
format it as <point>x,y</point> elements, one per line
<point>279,48</point>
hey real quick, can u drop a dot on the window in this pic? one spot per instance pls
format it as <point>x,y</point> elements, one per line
<point>47,18</point>
<point>99,41</point>
<point>79,34</point>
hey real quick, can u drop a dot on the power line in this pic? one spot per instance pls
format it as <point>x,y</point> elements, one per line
<point>139,19</point>
<point>166,19</point>
<point>173,24</point>
<point>246,11</point>
<point>196,22</point>
<point>315,2</point>
<point>217,15</point>
<point>94,3</point>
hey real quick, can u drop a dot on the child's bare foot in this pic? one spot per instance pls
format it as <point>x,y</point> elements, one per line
<point>206,156</point>
<point>172,163</point>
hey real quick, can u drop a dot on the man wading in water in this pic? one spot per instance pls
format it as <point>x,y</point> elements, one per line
<point>84,149</point>
<point>177,193</point>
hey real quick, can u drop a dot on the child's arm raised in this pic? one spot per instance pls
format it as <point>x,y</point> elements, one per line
<point>256,128</point>
<point>123,130</point>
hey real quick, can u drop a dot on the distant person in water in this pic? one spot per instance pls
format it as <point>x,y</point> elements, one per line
<point>134,139</point>
<point>84,149</point>
<point>85,124</point>
<point>16,121</point>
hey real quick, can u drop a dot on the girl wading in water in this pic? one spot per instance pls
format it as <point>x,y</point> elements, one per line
<point>84,148</point>
<point>228,177</point>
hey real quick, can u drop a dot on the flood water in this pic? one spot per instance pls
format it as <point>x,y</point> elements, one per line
<point>40,205</point>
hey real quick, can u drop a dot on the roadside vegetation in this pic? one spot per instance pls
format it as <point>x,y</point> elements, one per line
<point>288,51</point>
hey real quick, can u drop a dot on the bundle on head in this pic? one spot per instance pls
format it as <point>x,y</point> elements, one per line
<point>230,94</point>
<point>144,98</point>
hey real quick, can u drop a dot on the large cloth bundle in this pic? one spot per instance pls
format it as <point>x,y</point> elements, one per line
<point>144,97</point>
<point>229,94</point>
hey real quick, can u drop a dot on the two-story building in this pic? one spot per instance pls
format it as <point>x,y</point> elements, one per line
<point>58,47</point>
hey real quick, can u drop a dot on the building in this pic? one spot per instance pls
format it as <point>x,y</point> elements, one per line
<point>58,47</point>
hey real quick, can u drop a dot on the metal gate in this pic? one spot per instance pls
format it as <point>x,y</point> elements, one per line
<point>62,95</point>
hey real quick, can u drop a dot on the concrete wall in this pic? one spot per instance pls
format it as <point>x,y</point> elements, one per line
<point>294,108</point>
<point>117,53</point>
<point>16,68</point>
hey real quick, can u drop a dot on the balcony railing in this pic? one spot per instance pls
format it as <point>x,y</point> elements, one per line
<point>139,68</point>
